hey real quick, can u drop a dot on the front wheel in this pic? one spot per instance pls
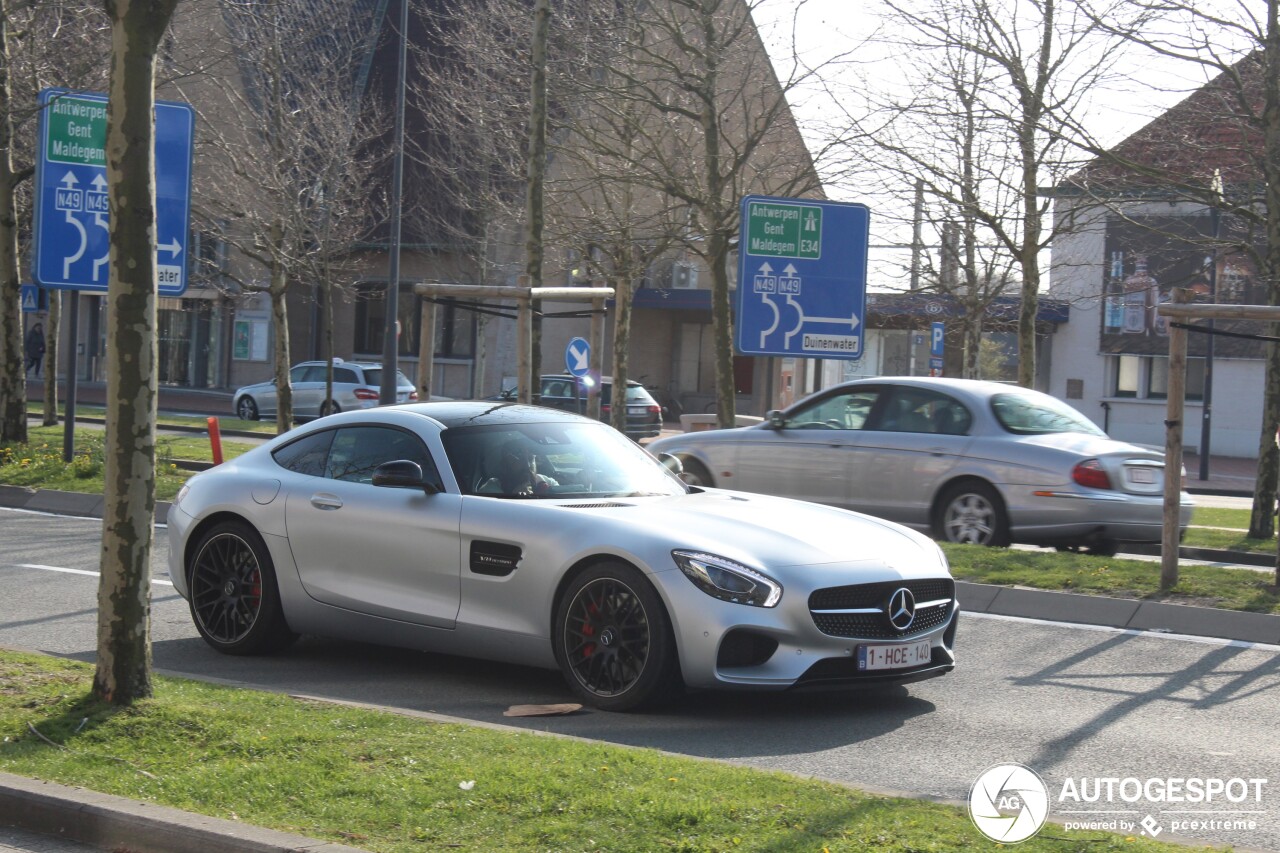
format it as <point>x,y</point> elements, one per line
<point>247,409</point>
<point>972,513</point>
<point>696,474</point>
<point>234,598</point>
<point>613,639</point>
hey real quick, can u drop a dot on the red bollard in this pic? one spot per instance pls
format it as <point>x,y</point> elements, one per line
<point>215,440</point>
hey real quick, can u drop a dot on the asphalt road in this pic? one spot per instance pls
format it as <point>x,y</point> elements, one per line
<point>1070,702</point>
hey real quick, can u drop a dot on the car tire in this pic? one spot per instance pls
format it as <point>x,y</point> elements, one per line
<point>246,409</point>
<point>696,474</point>
<point>972,512</point>
<point>613,639</point>
<point>234,599</point>
<point>328,407</point>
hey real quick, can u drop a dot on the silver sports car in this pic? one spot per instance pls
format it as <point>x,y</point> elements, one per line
<point>969,461</point>
<point>536,536</point>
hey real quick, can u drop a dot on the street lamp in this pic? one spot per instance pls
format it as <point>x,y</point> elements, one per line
<point>1206,410</point>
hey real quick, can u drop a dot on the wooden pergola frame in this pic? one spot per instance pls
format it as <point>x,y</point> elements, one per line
<point>1181,309</point>
<point>523,297</point>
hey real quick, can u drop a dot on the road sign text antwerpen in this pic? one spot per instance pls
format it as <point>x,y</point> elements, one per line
<point>71,211</point>
<point>802,278</point>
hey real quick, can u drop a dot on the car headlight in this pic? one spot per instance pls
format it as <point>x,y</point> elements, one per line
<point>727,580</point>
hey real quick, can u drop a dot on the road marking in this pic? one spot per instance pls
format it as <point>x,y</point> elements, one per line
<point>73,571</point>
<point>1154,635</point>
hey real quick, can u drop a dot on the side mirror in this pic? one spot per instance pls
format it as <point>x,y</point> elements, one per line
<point>775,419</point>
<point>672,463</point>
<point>402,474</point>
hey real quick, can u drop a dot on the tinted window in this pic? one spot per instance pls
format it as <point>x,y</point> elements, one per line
<point>307,455</point>
<point>297,373</point>
<point>345,375</point>
<point>373,376</point>
<point>1038,414</point>
<point>313,373</point>
<point>357,451</point>
<point>923,410</point>
<point>638,394</point>
<point>848,410</point>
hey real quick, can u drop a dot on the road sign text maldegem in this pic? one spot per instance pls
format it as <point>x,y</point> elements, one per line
<point>77,131</point>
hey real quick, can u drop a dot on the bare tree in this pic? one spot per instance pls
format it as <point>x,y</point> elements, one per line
<point>1042,60</point>
<point>1231,124</point>
<point>291,193</point>
<point>41,44</point>
<point>123,672</point>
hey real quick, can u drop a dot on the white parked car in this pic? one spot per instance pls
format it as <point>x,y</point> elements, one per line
<point>967,461</point>
<point>540,537</point>
<point>356,385</point>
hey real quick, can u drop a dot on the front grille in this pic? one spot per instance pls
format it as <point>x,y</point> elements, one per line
<point>876,626</point>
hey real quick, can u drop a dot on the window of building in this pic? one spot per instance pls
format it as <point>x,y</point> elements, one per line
<point>1147,377</point>
<point>455,326</point>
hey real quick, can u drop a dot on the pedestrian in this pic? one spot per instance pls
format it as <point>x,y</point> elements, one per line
<point>35,348</point>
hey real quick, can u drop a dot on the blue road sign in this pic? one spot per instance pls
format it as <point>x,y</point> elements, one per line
<point>802,283</point>
<point>29,296</point>
<point>71,212</point>
<point>937,332</point>
<point>577,357</point>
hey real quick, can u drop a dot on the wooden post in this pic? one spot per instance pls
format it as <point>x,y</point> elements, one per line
<point>597,361</point>
<point>1173,448</point>
<point>426,349</point>
<point>524,350</point>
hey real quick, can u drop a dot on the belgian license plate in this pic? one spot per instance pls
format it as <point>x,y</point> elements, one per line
<point>636,410</point>
<point>1142,475</point>
<point>900,656</point>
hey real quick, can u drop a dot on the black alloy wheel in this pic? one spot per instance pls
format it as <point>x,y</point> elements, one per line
<point>232,587</point>
<point>613,639</point>
<point>695,473</point>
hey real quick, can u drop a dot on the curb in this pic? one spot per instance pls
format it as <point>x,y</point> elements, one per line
<point>116,823</point>
<point>1123,613</point>
<point>63,503</point>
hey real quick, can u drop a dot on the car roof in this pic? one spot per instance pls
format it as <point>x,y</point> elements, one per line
<point>603,379</point>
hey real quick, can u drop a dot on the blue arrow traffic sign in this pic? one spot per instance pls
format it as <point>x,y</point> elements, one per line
<point>577,357</point>
<point>802,280</point>
<point>71,212</point>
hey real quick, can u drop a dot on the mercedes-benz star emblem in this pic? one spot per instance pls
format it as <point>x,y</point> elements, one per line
<point>902,609</point>
<point>607,638</point>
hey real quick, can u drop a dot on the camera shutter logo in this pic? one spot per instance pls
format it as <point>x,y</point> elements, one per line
<point>1009,803</point>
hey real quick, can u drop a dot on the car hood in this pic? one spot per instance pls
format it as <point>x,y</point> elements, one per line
<point>773,533</point>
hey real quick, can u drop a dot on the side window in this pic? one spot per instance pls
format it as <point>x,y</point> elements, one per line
<point>315,373</point>
<point>922,410</point>
<point>344,375</point>
<point>306,455</point>
<point>358,451</point>
<point>297,373</point>
<point>840,411</point>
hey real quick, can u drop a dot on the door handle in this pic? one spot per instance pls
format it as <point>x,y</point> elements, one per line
<point>323,501</point>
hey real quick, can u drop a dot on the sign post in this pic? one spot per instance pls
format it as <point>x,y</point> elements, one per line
<point>802,279</point>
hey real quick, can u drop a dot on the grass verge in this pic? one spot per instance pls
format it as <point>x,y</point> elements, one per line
<point>1206,586</point>
<point>389,783</point>
<point>39,464</point>
<point>267,428</point>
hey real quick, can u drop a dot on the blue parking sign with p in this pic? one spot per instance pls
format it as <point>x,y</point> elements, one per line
<point>937,332</point>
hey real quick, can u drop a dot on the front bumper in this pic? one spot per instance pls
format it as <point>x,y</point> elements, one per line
<point>726,645</point>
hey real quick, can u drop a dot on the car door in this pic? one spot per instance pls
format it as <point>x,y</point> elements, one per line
<point>308,390</point>
<point>812,455</point>
<point>389,552</point>
<point>908,449</point>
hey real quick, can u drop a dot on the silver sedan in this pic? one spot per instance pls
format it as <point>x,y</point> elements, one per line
<point>540,537</point>
<point>967,461</point>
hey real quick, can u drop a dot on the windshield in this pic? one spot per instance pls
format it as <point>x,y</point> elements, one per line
<point>554,460</point>
<point>1039,414</point>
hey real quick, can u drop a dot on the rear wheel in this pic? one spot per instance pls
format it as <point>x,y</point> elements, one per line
<point>696,474</point>
<point>613,639</point>
<point>328,407</point>
<point>247,409</point>
<point>972,513</point>
<point>233,594</point>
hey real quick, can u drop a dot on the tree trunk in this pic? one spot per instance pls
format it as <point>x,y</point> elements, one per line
<point>537,176</point>
<point>124,590</point>
<point>1262,519</point>
<point>280,320</point>
<point>13,374</point>
<point>621,348</point>
<point>51,359</point>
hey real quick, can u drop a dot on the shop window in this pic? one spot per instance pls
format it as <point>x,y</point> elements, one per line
<point>455,326</point>
<point>1147,377</point>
